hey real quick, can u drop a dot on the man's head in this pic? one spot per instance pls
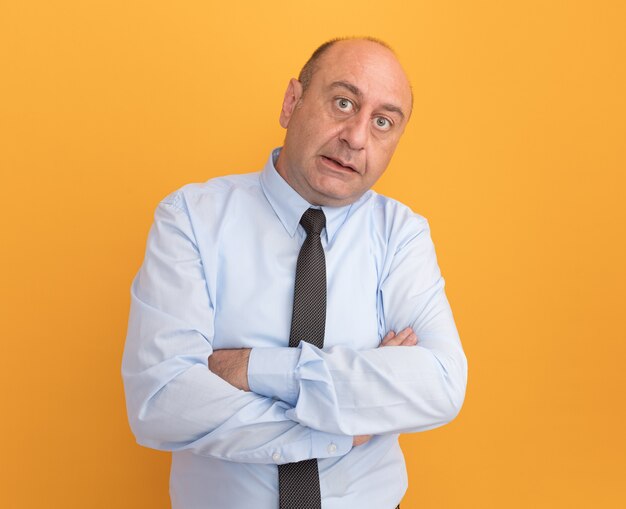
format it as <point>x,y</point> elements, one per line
<point>344,118</point>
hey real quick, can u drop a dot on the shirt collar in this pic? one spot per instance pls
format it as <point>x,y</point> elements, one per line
<point>289,205</point>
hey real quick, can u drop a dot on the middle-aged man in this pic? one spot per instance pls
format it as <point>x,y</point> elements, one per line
<point>287,325</point>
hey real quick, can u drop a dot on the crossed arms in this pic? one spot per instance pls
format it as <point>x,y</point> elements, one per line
<point>302,398</point>
<point>232,365</point>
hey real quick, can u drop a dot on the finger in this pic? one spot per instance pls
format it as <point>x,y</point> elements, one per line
<point>410,341</point>
<point>388,337</point>
<point>405,337</point>
<point>395,341</point>
<point>361,439</point>
<point>405,333</point>
<point>399,338</point>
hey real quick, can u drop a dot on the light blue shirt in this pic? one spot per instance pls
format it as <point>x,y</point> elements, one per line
<point>219,273</point>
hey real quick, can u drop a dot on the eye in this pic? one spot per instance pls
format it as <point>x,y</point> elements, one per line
<point>344,104</point>
<point>382,123</point>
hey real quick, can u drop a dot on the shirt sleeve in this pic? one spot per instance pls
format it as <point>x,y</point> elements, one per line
<point>174,402</point>
<point>388,389</point>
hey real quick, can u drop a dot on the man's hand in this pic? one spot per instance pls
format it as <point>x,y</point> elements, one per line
<point>405,337</point>
<point>232,366</point>
<point>361,439</point>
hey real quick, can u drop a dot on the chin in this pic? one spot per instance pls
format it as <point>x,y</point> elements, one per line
<point>335,189</point>
<point>335,199</point>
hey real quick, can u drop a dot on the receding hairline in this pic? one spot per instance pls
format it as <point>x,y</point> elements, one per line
<point>310,67</point>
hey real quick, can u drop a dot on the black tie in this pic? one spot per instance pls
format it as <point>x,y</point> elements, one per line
<point>299,483</point>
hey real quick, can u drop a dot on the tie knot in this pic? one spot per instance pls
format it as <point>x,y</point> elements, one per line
<point>313,221</point>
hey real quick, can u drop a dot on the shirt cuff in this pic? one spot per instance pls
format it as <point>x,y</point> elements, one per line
<point>322,445</point>
<point>271,373</point>
<point>329,445</point>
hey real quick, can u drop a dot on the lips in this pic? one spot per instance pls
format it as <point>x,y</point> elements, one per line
<point>339,163</point>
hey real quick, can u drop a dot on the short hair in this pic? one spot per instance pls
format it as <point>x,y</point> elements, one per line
<point>306,74</point>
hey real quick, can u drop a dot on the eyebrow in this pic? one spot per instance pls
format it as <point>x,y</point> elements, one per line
<point>355,90</point>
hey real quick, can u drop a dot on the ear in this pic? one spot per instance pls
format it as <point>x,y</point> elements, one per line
<point>292,97</point>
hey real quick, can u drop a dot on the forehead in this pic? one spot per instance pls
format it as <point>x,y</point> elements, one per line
<point>369,66</point>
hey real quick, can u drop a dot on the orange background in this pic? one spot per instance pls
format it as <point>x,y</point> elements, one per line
<point>515,153</point>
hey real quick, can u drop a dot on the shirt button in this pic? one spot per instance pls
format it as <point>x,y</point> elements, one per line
<point>332,448</point>
<point>276,456</point>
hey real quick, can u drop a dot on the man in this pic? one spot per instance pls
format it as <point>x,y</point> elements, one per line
<point>213,369</point>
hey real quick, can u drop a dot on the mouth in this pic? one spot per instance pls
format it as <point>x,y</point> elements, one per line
<point>338,164</point>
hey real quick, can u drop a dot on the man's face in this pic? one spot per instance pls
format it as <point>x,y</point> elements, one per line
<point>342,132</point>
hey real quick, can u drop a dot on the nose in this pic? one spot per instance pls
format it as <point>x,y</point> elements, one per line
<point>355,131</point>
